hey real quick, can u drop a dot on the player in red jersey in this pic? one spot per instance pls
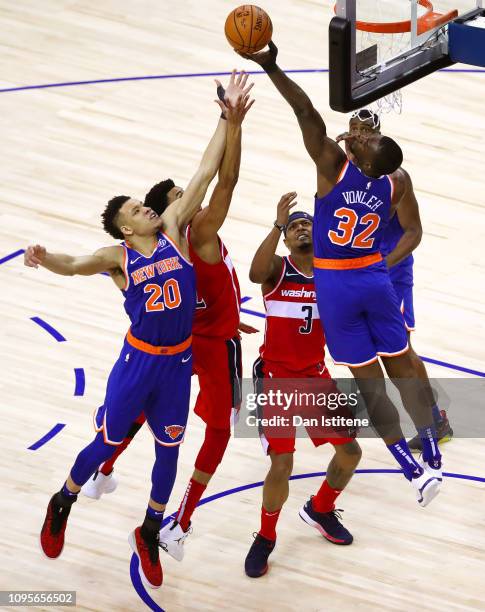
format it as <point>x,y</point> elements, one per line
<point>294,349</point>
<point>216,345</point>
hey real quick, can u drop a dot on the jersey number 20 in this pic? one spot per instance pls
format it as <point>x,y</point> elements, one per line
<point>160,297</point>
<point>344,234</point>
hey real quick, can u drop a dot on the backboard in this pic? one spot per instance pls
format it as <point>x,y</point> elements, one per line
<point>379,46</point>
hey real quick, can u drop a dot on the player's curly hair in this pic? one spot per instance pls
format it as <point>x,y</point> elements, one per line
<point>110,215</point>
<point>156,198</point>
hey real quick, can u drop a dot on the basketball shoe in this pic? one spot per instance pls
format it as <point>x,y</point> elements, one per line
<point>444,433</point>
<point>149,566</point>
<point>98,484</point>
<point>53,529</point>
<point>433,470</point>
<point>172,539</point>
<point>327,523</point>
<point>427,487</point>
<point>256,563</point>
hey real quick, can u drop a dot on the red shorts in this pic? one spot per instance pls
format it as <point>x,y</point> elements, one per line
<point>280,437</point>
<point>217,363</point>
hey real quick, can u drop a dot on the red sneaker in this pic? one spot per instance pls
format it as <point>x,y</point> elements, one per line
<point>53,529</point>
<point>147,552</point>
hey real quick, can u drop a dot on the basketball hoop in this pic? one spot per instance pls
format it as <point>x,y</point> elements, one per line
<point>384,29</point>
<point>427,21</point>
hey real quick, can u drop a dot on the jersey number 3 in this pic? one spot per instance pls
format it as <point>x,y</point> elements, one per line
<point>161,297</point>
<point>344,234</point>
<point>307,328</point>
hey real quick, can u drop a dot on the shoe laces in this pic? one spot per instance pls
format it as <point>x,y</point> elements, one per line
<point>151,546</point>
<point>262,540</point>
<point>335,515</point>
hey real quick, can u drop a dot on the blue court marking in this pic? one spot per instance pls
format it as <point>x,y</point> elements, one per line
<point>135,578</point>
<point>48,436</point>
<point>11,256</point>
<point>187,75</point>
<point>452,366</point>
<point>48,328</point>
<point>80,381</point>
<point>139,586</point>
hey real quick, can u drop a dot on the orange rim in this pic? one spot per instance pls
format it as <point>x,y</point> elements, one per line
<point>427,21</point>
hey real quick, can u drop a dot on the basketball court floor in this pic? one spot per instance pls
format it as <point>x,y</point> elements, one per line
<point>135,105</point>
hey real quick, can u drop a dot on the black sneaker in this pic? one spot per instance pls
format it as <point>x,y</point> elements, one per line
<point>444,433</point>
<point>327,523</point>
<point>256,563</point>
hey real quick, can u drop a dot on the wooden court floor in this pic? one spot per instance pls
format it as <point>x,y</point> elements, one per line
<point>66,151</point>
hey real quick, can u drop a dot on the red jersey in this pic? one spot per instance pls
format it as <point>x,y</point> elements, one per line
<point>218,295</point>
<point>293,336</point>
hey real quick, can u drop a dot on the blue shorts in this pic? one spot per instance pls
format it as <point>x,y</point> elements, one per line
<point>404,294</point>
<point>158,385</point>
<point>360,314</point>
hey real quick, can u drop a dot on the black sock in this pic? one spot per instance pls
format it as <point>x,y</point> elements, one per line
<point>150,528</point>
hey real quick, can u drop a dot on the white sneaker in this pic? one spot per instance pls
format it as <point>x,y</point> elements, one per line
<point>432,471</point>
<point>427,488</point>
<point>99,484</point>
<point>172,538</point>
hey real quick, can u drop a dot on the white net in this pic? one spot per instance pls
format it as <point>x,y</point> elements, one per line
<point>388,45</point>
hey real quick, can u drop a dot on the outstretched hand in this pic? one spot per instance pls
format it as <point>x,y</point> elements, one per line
<point>34,256</point>
<point>262,57</point>
<point>285,204</point>
<point>236,87</point>
<point>236,98</point>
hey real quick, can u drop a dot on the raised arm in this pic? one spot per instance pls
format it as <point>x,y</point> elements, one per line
<point>407,212</point>
<point>107,259</point>
<point>266,265</point>
<point>208,221</point>
<point>324,151</point>
<point>180,213</point>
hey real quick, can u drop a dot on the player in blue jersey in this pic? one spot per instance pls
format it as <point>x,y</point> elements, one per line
<point>402,235</point>
<point>152,269</point>
<point>358,306</point>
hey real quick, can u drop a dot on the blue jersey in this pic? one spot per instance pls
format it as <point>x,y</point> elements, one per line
<point>403,271</point>
<point>159,293</point>
<point>350,221</point>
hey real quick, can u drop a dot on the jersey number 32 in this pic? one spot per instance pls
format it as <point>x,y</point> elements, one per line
<point>344,233</point>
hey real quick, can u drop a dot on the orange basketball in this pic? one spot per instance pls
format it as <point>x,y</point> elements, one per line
<point>248,28</point>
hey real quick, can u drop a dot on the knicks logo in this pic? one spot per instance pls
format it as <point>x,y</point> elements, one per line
<point>174,431</point>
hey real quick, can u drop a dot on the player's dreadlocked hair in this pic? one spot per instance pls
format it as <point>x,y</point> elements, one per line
<point>110,216</point>
<point>156,198</point>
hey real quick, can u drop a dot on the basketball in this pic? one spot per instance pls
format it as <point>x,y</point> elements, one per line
<point>248,28</point>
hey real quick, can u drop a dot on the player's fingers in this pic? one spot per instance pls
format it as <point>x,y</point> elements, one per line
<point>221,105</point>
<point>243,79</point>
<point>248,88</point>
<point>218,83</point>
<point>249,106</point>
<point>245,55</point>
